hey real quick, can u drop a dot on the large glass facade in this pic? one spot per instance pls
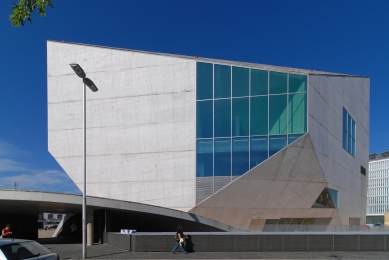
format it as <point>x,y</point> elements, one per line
<point>244,116</point>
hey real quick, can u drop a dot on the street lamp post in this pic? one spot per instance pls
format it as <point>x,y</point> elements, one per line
<point>86,81</point>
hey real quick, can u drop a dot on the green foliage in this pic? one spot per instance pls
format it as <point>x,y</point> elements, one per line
<point>23,10</point>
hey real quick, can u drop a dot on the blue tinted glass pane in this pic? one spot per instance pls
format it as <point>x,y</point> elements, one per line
<point>353,130</point>
<point>222,81</point>
<point>258,150</point>
<point>293,137</point>
<point>349,143</point>
<point>344,119</point>
<point>223,118</point>
<point>344,139</point>
<point>353,147</point>
<point>204,120</point>
<point>276,143</point>
<point>240,117</point>
<point>277,114</point>
<point>349,124</point>
<point>259,82</point>
<point>259,116</point>
<point>297,83</point>
<point>334,197</point>
<point>223,157</point>
<point>240,82</point>
<point>204,80</point>
<point>204,158</point>
<point>297,113</point>
<point>278,82</point>
<point>240,156</point>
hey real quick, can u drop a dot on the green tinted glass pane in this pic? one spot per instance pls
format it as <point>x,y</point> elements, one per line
<point>204,119</point>
<point>277,114</point>
<point>259,82</point>
<point>276,143</point>
<point>223,157</point>
<point>223,118</point>
<point>222,81</point>
<point>297,83</point>
<point>240,82</point>
<point>258,150</point>
<point>259,116</point>
<point>240,156</point>
<point>297,113</point>
<point>204,80</point>
<point>278,82</point>
<point>204,158</point>
<point>240,117</point>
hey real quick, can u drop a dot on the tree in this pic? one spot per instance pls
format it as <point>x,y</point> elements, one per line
<point>23,10</point>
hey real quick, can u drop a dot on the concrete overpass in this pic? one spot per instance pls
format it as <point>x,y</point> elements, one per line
<point>21,208</point>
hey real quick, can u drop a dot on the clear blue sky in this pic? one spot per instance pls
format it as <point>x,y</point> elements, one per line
<point>337,36</point>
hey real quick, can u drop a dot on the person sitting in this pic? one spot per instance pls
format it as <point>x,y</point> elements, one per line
<point>6,232</point>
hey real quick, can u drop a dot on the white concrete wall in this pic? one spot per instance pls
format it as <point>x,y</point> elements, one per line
<point>140,124</point>
<point>327,97</point>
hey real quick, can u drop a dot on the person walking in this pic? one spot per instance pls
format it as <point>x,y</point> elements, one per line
<point>6,232</point>
<point>73,232</point>
<point>179,237</point>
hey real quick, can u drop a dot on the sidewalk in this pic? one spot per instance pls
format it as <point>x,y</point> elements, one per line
<point>74,251</point>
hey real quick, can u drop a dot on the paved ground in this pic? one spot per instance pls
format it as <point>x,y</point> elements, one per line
<point>74,251</point>
<point>45,233</point>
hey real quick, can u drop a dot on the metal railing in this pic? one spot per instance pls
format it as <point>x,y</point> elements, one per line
<point>322,228</point>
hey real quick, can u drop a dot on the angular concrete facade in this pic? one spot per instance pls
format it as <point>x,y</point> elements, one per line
<point>141,139</point>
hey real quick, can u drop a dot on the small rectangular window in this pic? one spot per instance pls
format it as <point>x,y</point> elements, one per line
<point>363,170</point>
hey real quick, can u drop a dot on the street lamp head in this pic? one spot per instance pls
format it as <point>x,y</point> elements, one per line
<point>90,84</point>
<point>78,70</point>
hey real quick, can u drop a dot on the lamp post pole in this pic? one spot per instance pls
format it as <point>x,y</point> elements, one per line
<point>86,82</point>
<point>84,189</point>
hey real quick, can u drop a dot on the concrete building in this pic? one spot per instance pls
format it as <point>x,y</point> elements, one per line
<point>378,188</point>
<point>240,143</point>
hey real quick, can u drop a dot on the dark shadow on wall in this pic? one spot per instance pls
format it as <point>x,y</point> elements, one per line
<point>146,222</point>
<point>24,227</point>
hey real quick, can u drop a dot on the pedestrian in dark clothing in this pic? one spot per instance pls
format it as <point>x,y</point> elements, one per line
<point>180,238</point>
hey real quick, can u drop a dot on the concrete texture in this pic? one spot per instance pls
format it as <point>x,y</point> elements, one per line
<point>328,94</point>
<point>145,103</point>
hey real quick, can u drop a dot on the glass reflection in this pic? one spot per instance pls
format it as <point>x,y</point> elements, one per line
<point>259,116</point>
<point>276,143</point>
<point>222,157</point>
<point>258,150</point>
<point>204,119</point>
<point>223,118</point>
<point>240,117</point>
<point>240,156</point>
<point>240,82</point>
<point>204,158</point>
<point>259,82</point>
<point>297,83</point>
<point>222,81</point>
<point>278,82</point>
<point>204,81</point>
